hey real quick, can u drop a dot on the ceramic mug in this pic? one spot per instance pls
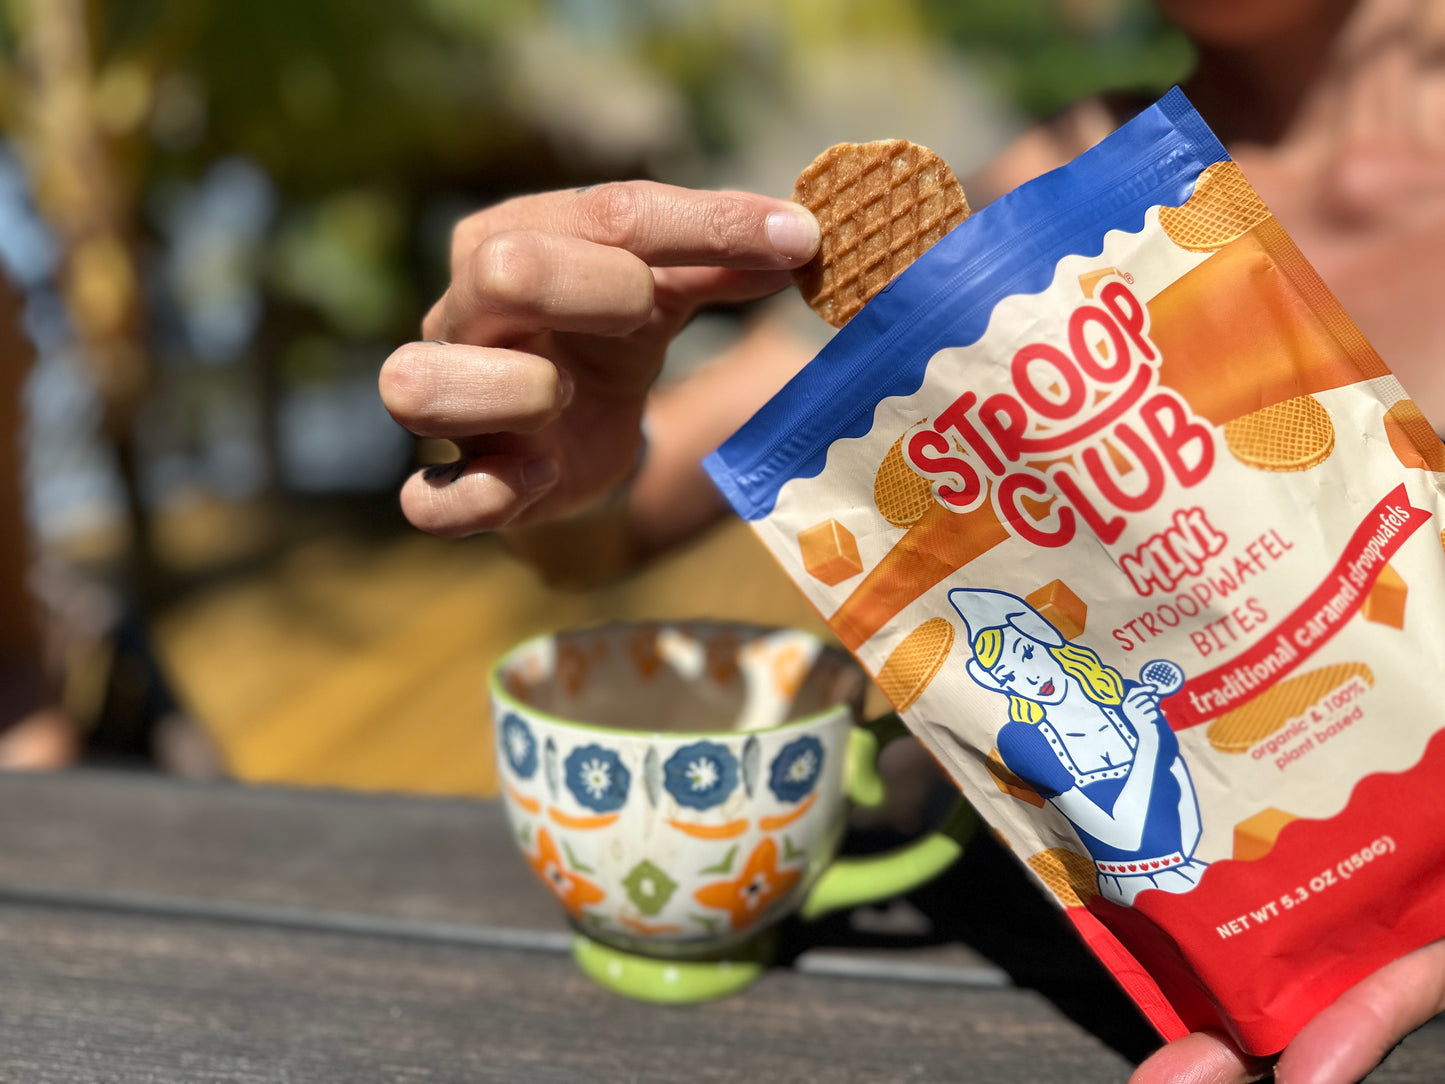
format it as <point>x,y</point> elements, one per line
<point>680,787</point>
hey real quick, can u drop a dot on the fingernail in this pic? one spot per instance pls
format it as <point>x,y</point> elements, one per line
<point>566,387</point>
<point>539,474</point>
<point>793,233</point>
<point>445,473</point>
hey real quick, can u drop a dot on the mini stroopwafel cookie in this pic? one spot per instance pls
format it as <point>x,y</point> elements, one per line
<point>901,493</point>
<point>1296,434</point>
<point>879,205</point>
<point>1242,728</point>
<point>1412,438</point>
<point>1071,876</point>
<point>915,661</point>
<point>1222,208</point>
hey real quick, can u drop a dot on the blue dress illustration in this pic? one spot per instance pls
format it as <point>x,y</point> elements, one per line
<point>1095,746</point>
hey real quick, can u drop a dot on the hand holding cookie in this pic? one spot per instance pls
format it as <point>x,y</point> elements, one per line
<point>544,346</point>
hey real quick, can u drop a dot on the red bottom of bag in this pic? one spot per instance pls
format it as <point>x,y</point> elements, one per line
<point>1231,955</point>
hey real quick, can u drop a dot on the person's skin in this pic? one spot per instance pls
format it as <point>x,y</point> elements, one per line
<point>556,323</point>
<point>562,304</point>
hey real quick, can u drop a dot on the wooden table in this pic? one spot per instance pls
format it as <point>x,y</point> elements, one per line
<point>154,930</point>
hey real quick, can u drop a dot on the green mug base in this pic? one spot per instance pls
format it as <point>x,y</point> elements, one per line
<point>675,982</point>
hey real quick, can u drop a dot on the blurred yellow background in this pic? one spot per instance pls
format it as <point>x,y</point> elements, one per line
<point>218,218</point>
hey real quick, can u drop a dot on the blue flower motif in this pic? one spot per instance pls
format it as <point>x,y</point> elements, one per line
<point>701,775</point>
<point>597,778</point>
<point>795,770</point>
<point>519,745</point>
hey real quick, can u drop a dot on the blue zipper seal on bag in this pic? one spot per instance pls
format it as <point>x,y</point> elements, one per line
<point>946,297</point>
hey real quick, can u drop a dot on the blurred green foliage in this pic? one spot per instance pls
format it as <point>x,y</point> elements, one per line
<point>397,104</point>
<point>379,122</point>
<point>1045,54</point>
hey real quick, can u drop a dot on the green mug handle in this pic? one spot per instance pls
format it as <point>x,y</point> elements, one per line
<point>853,882</point>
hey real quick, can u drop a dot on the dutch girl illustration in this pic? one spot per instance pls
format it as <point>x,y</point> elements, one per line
<point>1095,746</point>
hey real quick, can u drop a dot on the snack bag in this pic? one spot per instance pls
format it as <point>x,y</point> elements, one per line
<point>1142,539</point>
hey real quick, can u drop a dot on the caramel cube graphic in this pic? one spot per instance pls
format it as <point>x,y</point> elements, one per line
<point>1412,438</point>
<point>1090,280</point>
<point>1385,603</point>
<point>1062,608</point>
<point>1254,836</point>
<point>1009,783</point>
<point>830,552</point>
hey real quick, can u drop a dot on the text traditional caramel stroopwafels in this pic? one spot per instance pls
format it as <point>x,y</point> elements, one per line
<point>1071,876</point>
<point>1239,730</point>
<point>1296,434</point>
<point>1222,208</point>
<point>901,493</point>
<point>915,661</point>
<point>879,206</point>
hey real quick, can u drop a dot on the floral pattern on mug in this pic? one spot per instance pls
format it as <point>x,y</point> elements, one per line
<point>701,775</point>
<point>748,895</point>
<point>795,770</point>
<point>597,778</point>
<point>519,745</point>
<point>573,890</point>
<point>648,887</point>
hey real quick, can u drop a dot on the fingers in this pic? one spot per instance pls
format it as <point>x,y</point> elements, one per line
<point>476,494</point>
<point>1199,1058</point>
<point>662,225</point>
<point>1342,1044</point>
<point>716,285</point>
<point>582,261</point>
<point>518,281</point>
<point>447,390</point>
<point>1143,698</point>
<point>1348,1039</point>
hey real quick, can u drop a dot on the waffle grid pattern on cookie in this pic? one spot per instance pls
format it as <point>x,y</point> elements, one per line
<point>879,205</point>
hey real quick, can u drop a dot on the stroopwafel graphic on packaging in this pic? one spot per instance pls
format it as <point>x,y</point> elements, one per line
<point>1296,434</point>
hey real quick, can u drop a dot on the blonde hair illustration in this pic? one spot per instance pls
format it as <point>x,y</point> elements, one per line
<point>1100,683</point>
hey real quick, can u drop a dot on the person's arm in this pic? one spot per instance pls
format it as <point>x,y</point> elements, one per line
<point>546,344</point>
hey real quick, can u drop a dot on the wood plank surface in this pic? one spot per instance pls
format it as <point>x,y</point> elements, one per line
<point>93,998</point>
<point>442,859</point>
<point>157,930</point>
<point>143,842</point>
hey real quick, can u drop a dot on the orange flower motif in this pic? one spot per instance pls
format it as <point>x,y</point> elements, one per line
<point>753,891</point>
<point>575,891</point>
